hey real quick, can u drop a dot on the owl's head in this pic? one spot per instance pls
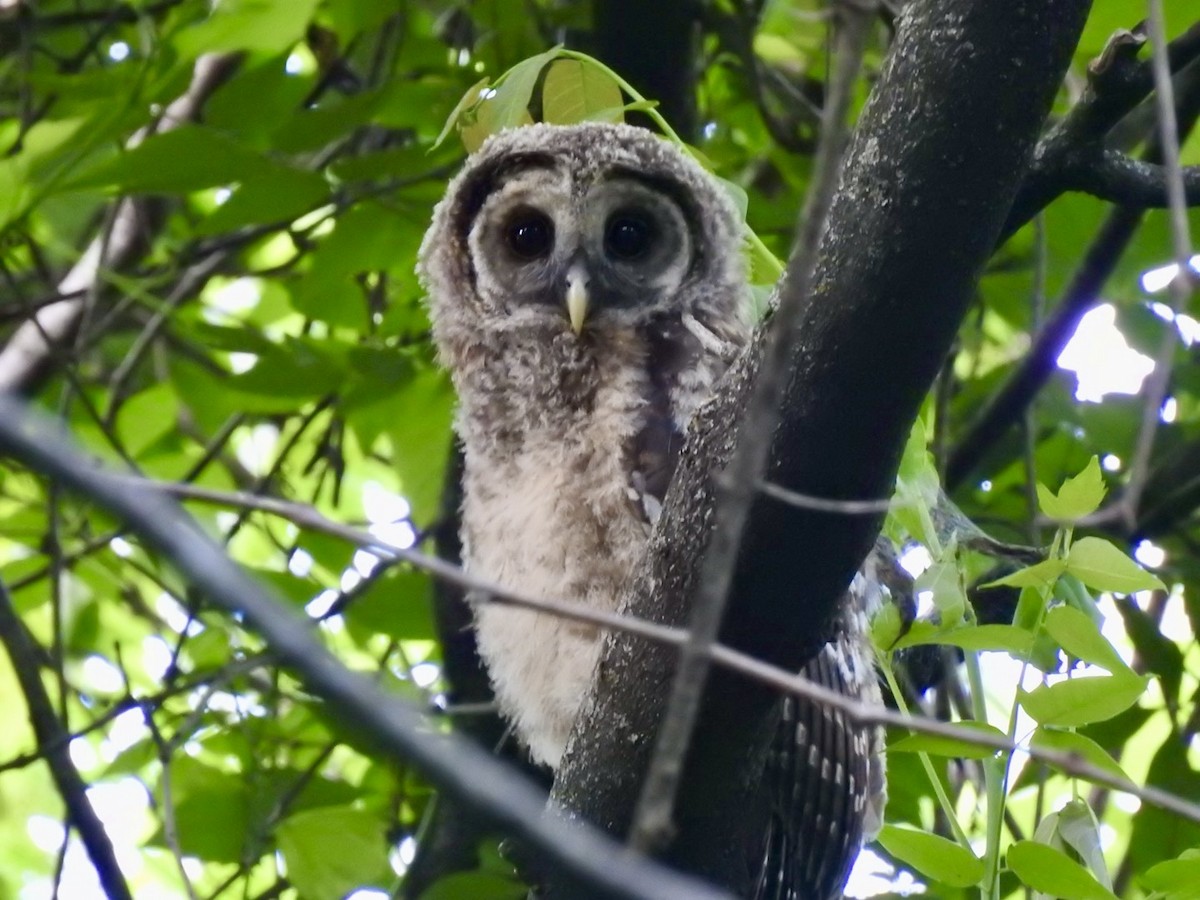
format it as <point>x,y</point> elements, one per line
<point>588,228</point>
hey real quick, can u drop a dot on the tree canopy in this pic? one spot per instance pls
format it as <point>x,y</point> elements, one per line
<point>210,218</point>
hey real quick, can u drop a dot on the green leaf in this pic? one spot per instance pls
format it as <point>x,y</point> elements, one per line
<point>975,638</point>
<point>278,194</point>
<point>147,416</point>
<point>300,369</point>
<point>367,238</point>
<point>1079,745</point>
<point>506,105</point>
<point>395,162</point>
<point>263,25</point>
<point>1080,701</point>
<point>948,746</point>
<point>1040,575</point>
<point>212,811</point>
<point>576,92</point>
<point>399,604</point>
<point>331,851</point>
<point>1079,496</point>
<point>944,580</point>
<point>1158,833</point>
<point>1159,653</point>
<point>1053,872</point>
<point>932,855</point>
<point>886,626</point>
<point>737,194</point>
<point>47,150</point>
<point>1078,634</point>
<point>1029,609</point>
<point>477,886</point>
<point>473,96</point>
<point>1079,830</point>
<point>1177,878</point>
<point>1100,565</point>
<point>187,158</point>
<point>421,440</point>
<point>917,489</point>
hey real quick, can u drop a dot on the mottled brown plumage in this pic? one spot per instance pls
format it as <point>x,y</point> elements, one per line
<point>586,292</point>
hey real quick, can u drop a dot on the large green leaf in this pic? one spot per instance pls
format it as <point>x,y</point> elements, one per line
<point>331,851</point>
<point>1080,745</point>
<point>264,26</point>
<point>932,855</point>
<point>575,92</point>
<point>1101,566</point>
<point>1080,701</point>
<point>1053,872</point>
<point>186,158</point>
<point>1078,634</point>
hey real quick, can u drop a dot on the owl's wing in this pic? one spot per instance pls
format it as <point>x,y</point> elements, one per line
<point>825,775</point>
<point>686,357</point>
<point>819,770</point>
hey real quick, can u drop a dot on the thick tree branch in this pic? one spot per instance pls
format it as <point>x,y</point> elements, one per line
<point>584,857</point>
<point>1119,178</point>
<point>54,744</point>
<point>930,177</point>
<point>1099,262</point>
<point>1072,157</point>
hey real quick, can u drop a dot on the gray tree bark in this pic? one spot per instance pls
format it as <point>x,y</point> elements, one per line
<point>930,175</point>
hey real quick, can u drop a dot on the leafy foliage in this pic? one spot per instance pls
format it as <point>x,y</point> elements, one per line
<point>264,337</point>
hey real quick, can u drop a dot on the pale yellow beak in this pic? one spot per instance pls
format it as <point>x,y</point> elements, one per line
<point>577,296</point>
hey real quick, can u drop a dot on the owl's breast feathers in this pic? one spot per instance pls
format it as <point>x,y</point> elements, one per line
<point>564,476</point>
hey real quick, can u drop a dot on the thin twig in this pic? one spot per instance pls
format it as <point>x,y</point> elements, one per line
<point>1181,284</point>
<point>141,493</point>
<point>53,739</point>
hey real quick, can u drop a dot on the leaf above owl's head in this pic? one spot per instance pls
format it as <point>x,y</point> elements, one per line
<point>565,87</point>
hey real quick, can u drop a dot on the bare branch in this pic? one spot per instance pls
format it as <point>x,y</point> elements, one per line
<point>53,743</point>
<point>1119,178</point>
<point>1071,155</point>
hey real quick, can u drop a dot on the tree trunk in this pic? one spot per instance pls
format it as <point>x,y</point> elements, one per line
<point>929,178</point>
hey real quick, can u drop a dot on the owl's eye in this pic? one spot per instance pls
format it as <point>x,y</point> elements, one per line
<point>628,235</point>
<point>530,234</point>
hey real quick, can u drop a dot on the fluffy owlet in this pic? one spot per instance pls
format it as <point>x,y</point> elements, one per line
<point>587,290</point>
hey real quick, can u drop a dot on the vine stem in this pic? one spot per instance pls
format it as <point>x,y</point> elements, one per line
<point>938,788</point>
<point>995,776</point>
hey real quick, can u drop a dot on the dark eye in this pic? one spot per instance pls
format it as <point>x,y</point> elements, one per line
<point>530,234</point>
<point>628,235</point>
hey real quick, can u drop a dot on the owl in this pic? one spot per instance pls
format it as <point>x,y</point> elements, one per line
<point>586,291</point>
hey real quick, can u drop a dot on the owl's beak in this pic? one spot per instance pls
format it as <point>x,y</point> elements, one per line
<point>577,296</point>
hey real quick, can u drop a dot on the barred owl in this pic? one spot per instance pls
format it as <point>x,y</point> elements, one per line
<point>586,292</point>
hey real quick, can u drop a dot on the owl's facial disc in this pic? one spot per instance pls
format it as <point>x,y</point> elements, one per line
<point>638,248</point>
<point>601,255</point>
